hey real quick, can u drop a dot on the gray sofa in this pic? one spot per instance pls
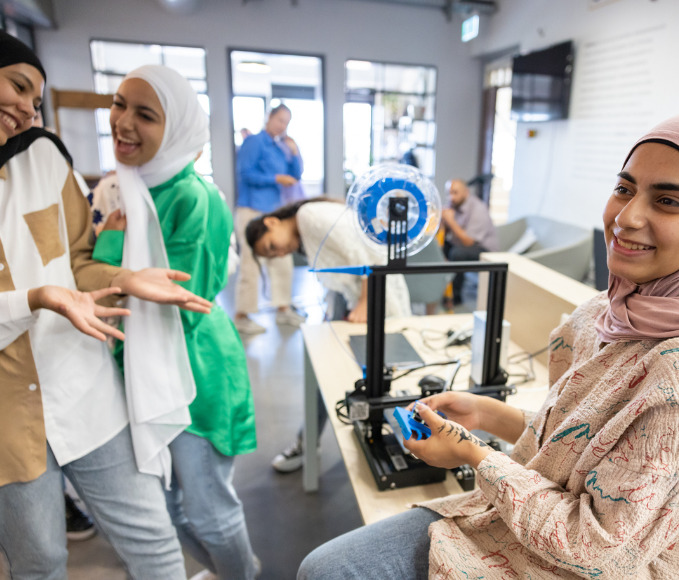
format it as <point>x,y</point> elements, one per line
<point>563,247</point>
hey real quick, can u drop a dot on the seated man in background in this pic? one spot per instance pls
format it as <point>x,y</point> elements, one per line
<point>469,230</point>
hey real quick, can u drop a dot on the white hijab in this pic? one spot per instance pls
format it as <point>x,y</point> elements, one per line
<point>158,380</point>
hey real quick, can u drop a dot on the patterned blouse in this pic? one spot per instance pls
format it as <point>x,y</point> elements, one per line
<point>590,490</point>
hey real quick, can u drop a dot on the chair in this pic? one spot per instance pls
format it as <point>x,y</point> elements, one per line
<point>564,247</point>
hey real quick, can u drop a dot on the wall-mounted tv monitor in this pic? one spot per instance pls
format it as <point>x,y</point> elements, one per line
<point>541,83</point>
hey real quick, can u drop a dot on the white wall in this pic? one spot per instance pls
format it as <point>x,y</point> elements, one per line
<point>336,29</point>
<point>625,82</point>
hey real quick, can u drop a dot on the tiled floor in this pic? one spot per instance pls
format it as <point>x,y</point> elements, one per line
<point>284,522</point>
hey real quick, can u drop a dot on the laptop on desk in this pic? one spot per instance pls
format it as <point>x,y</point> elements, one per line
<point>398,352</point>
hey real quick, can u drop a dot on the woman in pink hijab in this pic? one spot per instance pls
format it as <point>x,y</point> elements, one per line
<point>591,489</point>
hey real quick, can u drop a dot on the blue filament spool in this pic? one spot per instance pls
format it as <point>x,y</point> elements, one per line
<point>369,198</point>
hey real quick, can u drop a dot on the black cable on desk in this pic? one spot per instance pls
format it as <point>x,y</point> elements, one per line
<point>340,411</point>
<point>434,364</point>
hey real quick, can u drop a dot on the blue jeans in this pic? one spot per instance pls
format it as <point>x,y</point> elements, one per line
<point>206,510</point>
<point>462,254</point>
<point>397,547</point>
<point>127,506</point>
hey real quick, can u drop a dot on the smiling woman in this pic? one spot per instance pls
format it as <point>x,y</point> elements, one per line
<point>137,122</point>
<point>641,218</point>
<point>592,484</point>
<point>111,61</point>
<point>20,95</point>
<point>174,216</point>
<point>63,409</point>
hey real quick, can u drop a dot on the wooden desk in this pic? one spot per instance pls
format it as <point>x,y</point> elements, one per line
<point>330,368</point>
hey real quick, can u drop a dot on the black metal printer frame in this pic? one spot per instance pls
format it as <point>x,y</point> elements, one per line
<point>390,466</point>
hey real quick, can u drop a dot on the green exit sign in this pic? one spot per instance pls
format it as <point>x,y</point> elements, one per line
<point>470,28</point>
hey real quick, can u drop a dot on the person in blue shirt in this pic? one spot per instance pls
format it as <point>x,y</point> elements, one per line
<point>263,168</point>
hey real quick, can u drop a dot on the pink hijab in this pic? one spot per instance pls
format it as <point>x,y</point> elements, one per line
<point>650,310</point>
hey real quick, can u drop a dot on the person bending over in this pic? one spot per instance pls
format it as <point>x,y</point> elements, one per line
<point>323,230</point>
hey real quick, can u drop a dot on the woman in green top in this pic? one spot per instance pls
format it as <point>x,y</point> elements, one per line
<point>173,216</point>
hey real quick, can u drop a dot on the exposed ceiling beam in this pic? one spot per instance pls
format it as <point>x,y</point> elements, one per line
<point>478,6</point>
<point>449,7</point>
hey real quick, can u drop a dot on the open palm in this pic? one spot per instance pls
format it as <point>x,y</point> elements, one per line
<point>82,309</point>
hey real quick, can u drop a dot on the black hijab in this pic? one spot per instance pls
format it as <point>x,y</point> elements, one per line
<point>13,51</point>
<point>21,142</point>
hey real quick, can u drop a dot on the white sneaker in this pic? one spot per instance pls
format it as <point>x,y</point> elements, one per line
<point>204,575</point>
<point>291,459</point>
<point>298,310</point>
<point>289,317</point>
<point>246,325</point>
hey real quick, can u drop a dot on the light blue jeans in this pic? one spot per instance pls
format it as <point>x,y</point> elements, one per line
<point>397,547</point>
<point>126,505</point>
<point>206,510</point>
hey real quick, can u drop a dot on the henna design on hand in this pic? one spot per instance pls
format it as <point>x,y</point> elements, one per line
<point>462,433</point>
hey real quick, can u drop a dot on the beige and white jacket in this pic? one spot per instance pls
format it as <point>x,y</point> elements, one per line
<point>56,384</point>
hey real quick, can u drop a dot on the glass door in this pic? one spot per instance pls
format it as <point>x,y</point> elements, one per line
<point>263,80</point>
<point>496,170</point>
<point>389,116</point>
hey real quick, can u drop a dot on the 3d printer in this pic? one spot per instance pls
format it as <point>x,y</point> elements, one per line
<point>369,404</point>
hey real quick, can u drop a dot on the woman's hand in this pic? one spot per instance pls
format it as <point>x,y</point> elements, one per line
<point>290,142</point>
<point>463,408</point>
<point>115,221</point>
<point>359,313</point>
<point>450,444</point>
<point>479,412</point>
<point>285,180</point>
<point>80,308</point>
<point>157,285</point>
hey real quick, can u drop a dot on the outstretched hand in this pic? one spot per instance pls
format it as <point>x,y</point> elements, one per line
<point>80,308</point>
<point>157,285</point>
<point>450,444</point>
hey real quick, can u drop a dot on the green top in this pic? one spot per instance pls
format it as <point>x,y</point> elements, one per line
<point>197,225</point>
